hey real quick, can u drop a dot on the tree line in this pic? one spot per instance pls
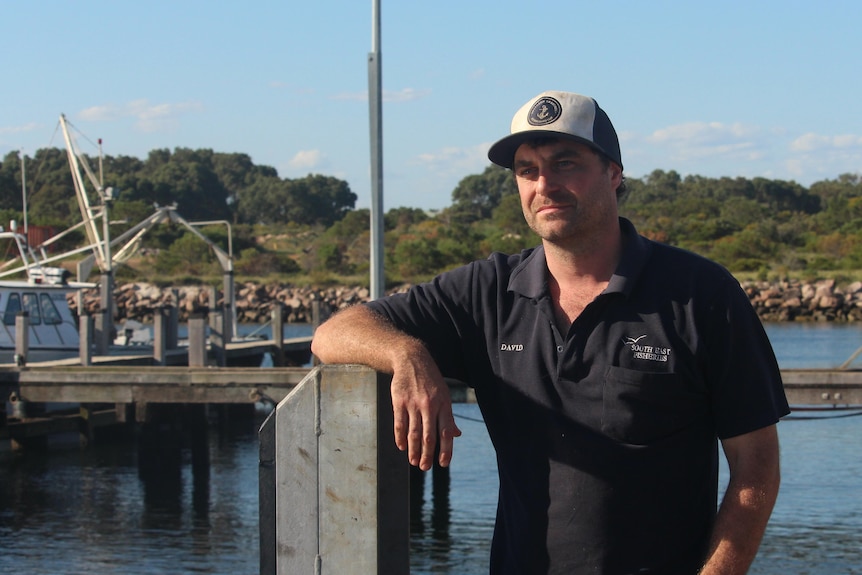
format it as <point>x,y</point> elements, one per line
<point>310,225</point>
<point>204,185</point>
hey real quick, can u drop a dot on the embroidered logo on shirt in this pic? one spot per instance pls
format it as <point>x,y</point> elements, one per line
<point>511,347</point>
<point>646,352</point>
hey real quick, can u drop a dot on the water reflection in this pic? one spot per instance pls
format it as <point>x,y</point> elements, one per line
<point>98,510</point>
<point>92,512</point>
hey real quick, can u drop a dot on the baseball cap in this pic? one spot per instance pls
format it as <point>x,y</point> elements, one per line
<point>559,115</point>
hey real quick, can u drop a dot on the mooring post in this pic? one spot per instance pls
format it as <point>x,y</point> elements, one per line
<point>160,334</point>
<point>173,330</point>
<point>85,339</point>
<point>217,338</point>
<point>197,340</point>
<point>22,336</point>
<point>229,304</point>
<point>333,485</point>
<point>103,331</point>
<point>277,323</point>
<point>212,297</point>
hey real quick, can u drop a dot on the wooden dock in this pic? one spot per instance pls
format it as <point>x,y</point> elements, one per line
<point>122,386</point>
<point>823,388</point>
<point>133,378</point>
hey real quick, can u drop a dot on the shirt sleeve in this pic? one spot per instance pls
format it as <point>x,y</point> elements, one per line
<point>439,314</point>
<point>743,374</point>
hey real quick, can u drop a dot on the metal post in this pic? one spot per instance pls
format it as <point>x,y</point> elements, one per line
<point>108,274</point>
<point>229,306</point>
<point>333,485</point>
<point>375,102</point>
<point>24,194</point>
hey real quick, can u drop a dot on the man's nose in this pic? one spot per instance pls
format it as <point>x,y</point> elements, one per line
<point>546,182</point>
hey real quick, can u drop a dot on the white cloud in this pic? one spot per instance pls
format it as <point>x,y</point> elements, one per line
<point>702,133</point>
<point>405,95</point>
<point>811,142</point>
<point>444,168</point>
<point>306,160</point>
<point>448,158</point>
<point>19,129</point>
<point>148,117</point>
<point>352,96</point>
<point>693,141</point>
<point>816,156</point>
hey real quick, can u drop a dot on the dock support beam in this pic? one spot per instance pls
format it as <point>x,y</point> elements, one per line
<point>333,486</point>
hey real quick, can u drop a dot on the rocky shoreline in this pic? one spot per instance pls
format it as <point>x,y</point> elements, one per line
<point>789,300</point>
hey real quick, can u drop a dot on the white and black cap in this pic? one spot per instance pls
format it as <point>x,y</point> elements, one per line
<point>559,115</point>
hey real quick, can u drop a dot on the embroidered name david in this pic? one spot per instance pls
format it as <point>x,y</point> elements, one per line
<point>512,347</point>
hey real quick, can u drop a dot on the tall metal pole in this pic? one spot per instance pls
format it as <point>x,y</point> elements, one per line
<point>107,299</point>
<point>376,125</point>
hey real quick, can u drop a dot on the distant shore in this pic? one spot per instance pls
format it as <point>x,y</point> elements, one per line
<point>790,300</point>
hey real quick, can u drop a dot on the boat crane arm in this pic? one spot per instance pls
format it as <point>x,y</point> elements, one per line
<point>129,240</point>
<point>88,217</point>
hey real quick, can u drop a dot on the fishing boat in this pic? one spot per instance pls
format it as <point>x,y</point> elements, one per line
<point>44,293</point>
<point>43,296</point>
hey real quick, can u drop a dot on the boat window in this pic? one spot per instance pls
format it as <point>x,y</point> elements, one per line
<point>50,314</point>
<point>13,306</point>
<point>31,304</point>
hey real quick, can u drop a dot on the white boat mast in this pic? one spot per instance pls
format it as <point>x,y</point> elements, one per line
<point>88,213</point>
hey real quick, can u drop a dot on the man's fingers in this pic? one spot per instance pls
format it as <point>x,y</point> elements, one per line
<point>423,422</point>
<point>429,444</point>
<point>415,437</point>
<point>402,422</point>
<point>448,432</point>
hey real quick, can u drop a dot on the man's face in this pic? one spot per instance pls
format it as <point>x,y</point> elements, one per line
<point>567,192</point>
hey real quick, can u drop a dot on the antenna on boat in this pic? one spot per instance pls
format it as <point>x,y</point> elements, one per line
<point>24,191</point>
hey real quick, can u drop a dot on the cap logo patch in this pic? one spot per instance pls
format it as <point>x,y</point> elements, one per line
<point>545,111</point>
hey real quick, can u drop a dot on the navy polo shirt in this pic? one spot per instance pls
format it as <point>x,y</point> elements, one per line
<point>606,435</point>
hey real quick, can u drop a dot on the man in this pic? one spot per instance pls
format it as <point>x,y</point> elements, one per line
<point>606,367</point>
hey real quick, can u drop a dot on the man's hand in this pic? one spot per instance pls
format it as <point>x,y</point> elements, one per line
<point>423,411</point>
<point>420,397</point>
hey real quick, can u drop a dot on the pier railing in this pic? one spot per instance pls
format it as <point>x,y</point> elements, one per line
<point>334,495</point>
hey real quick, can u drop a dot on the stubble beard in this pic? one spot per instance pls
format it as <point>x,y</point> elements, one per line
<point>557,228</point>
<point>573,230</point>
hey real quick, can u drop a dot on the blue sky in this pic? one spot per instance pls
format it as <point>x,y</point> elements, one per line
<point>749,89</point>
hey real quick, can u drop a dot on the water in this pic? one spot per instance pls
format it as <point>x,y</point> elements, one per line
<point>88,512</point>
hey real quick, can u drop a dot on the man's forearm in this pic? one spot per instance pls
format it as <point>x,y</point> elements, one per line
<point>359,335</point>
<point>738,531</point>
<point>747,502</point>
